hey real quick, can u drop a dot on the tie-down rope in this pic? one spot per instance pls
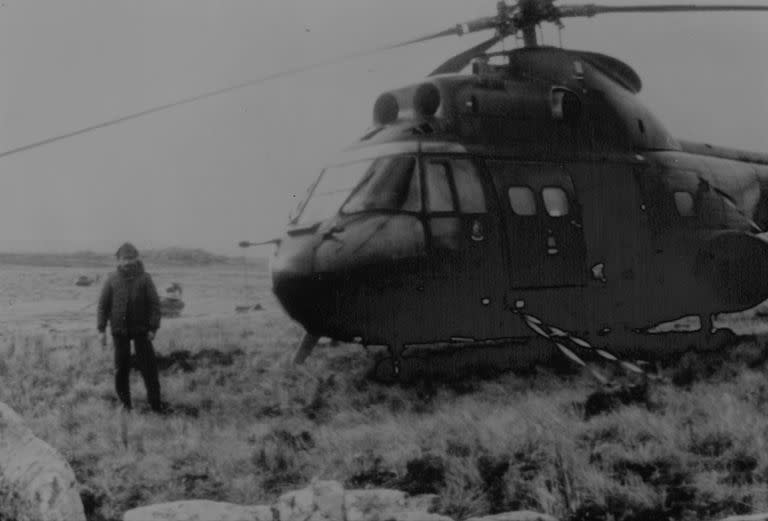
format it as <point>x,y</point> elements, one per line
<point>560,338</point>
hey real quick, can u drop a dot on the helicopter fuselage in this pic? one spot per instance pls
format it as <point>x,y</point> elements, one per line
<point>542,186</point>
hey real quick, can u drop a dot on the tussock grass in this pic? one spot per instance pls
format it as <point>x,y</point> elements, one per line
<point>247,426</point>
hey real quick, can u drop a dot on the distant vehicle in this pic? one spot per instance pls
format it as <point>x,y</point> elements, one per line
<point>171,304</point>
<point>85,281</point>
<point>175,290</point>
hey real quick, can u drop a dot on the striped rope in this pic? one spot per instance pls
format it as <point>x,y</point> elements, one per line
<point>560,338</point>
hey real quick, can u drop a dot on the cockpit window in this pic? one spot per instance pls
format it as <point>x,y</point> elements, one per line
<point>330,191</point>
<point>468,186</point>
<point>391,185</point>
<point>439,197</point>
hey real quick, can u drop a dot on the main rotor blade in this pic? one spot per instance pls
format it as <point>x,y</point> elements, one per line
<point>590,10</point>
<point>460,61</point>
<point>163,107</point>
<point>471,26</point>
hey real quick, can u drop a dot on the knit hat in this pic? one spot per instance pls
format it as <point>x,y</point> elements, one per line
<point>127,251</point>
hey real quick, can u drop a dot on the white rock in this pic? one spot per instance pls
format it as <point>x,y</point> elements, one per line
<point>373,504</point>
<point>520,515</point>
<point>414,515</point>
<point>199,510</point>
<point>296,505</point>
<point>41,476</point>
<point>329,501</point>
<point>752,517</point>
<point>422,503</point>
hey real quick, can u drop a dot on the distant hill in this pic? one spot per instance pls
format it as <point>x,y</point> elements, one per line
<point>165,256</point>
<point>185,256</point>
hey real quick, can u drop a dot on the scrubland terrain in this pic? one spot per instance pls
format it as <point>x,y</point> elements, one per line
<point>245,426</point>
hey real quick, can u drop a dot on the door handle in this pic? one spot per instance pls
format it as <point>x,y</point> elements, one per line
<point>552,248</point>
<point>477,231</point>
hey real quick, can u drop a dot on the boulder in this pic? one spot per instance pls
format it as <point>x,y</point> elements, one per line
<point>520,515</point>
<point>422,503</point>
<point>296,505</point>
<point>199,510</point>
<point>40,477</point>
<point>329,501</point>
<point>752,517</point>
<point>414,515</point>
<point>373,504</point>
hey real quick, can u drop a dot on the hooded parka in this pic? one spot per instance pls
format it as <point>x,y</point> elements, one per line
<point>129,302</point>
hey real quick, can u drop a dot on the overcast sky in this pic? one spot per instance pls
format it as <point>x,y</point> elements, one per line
<point>230,168</point>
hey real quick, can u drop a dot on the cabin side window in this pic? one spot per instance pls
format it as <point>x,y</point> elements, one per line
<point>522,200</point>
<point>698,202</point>
<point>555,201</point>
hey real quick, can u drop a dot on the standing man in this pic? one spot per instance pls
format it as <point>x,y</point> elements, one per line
<point>129,302</point>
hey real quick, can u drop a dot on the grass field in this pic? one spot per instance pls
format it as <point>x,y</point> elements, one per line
<point>247,426</point>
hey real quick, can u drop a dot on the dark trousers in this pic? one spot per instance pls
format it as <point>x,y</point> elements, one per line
<point>145,359</point>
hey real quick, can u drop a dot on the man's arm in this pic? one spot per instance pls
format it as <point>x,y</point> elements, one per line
<point>105,305</point>
<point>153,305</point>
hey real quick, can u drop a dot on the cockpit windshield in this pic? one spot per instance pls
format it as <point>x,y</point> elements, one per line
<point>390,185</point>
<point>331,190</point>
<point>383,184</point>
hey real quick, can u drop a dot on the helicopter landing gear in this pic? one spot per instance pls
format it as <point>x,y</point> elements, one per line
<point>307,344</point>
<point>708,338</point>
<point>396,368</point>
<point>387,370</point>
<point>715,339</point>
<point>401,370</point>
<point>451,362</point>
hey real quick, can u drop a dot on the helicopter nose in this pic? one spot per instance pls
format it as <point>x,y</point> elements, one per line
<point>297,288</point>
<point>294,292</point>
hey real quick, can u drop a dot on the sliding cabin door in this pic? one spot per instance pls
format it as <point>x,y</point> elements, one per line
<point>543,221</point>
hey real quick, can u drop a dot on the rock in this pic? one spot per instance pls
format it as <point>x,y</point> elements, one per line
<point>329,501</point>
<point>752,517</point>
<point>40,476</point>
<point>199,510</point>
<point>296,505</point>
<point>520,515</point>
<point>414,515</point>
<point>372,504</point>
<point>422,503</point>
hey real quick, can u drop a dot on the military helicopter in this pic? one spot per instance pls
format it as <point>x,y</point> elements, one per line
<point>532,203</point>
<point>531,206</point>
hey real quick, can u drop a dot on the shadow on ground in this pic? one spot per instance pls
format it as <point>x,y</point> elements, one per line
<point>186,361</point>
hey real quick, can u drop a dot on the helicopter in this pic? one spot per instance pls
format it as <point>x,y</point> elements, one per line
<point>535,202</point>
<point>530,206</point>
